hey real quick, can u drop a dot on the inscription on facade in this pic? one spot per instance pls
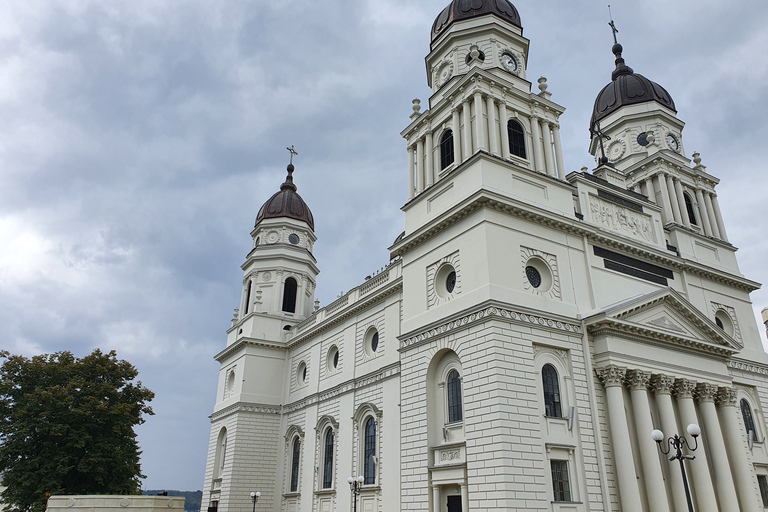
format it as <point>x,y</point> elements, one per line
<point>619,218</point>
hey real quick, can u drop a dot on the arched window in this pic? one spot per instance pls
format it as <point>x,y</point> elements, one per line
<point>446,149</point>
<point>749,422</point>
<point>289,295</point>
<point>221,454</point>
<point>369,454</point>
<point>551,384</point>
<point>516,138</point>
<point>296,455</point>
<point>689,208</point>
<point>453,383</point>
<point>248,296</point>
<point>328,460</point>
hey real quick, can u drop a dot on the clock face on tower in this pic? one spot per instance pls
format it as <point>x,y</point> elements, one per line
<point>672,141</point>
<point>509,62</point>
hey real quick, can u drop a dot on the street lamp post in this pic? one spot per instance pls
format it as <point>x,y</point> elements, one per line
<point>255,497</point>
<point>677,443</point>
<point>354,485</point>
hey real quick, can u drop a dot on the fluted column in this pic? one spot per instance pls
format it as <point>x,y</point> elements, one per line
<point>662,388</point>
<point>654,483</point>
<point>411,175</point>
<point>420,166</point>
<point>493,134</point>
<point>649,190</point>
<point>701,486</point>
<point>719,218</point>
<point>429,166</point>
<point>681,201</point>
<point>713,436</point>
<point>479,122</point>
<point>629,494</point>
<point>711,215</point>
<point>467,129</point>
<point>666,210</point>
<point>503,120</point>
<point>737,455</point>
<point>546,134</point>
<point>673,199</point>
<point>558,151</point>
<point>703,213</point>
<point>456,136</point>
<point>538,163</point>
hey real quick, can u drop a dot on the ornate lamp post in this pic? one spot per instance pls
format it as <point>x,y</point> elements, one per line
<point>677,443</point>
<point>255,497</point>
<point>354,485</point>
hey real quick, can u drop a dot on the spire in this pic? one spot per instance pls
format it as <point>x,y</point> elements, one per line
<point>621,66</point>
<point>289,179</point>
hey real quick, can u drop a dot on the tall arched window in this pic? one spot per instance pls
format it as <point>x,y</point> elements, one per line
<point>248,296</point>
<point>369,454</point>
<point>328,460</point>
<point>289,295</point>
<point>551,384</point>
<point>516,138</point>
<point>446,149</point>
<point>221,454</point>
<point>749,422</point>
<point>296,455</point>
<point>689,209</point>
<point>453,383</point>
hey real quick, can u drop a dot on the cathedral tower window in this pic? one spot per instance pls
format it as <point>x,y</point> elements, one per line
<point>551,385</point>
<point>749,422</point>
<point>516,138</point>
<point>689,209</point>
<point>369,453</point>
<point>453,383</point>
<point>446,149</point>
<point>295,459</point>
<point>221,455</point>
<point>289,295</point>
<point>248,296</point>
<point>560,484</point>
<point>328,460</point>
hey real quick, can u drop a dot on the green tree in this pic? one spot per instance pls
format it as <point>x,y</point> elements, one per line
<point>66,427</point>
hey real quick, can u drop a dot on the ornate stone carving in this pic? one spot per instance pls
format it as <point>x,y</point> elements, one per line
<point>638,379</point>
<point>662,384</point>
<point>618,218</point>
<point>726,397</point>
<point>450,455</point>
<point>612,375</point>
<point>684,388</point>
<point>706,392</point>
<point>665,323</point>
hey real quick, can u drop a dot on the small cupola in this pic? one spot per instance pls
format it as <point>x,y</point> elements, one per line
<point>286,203</point>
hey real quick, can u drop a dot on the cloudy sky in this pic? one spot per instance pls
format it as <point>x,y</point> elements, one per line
<point>138,140</point>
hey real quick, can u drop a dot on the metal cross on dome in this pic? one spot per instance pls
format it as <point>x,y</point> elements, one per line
<point>293,152</point>
<point>613,26</point>
<point>601,137</point>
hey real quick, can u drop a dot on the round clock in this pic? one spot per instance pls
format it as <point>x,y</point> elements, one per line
<point>509,62</point>
<point>672,141</point>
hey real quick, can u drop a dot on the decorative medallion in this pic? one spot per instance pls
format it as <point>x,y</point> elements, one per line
<point>443,73</point>
<point>266,276</point>
<point>273,237</point>
<point>616,150</point>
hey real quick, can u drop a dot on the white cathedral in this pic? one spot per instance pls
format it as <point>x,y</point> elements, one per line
<point>530,331</point>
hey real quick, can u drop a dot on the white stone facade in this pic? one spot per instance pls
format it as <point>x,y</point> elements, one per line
<point>529,333</point>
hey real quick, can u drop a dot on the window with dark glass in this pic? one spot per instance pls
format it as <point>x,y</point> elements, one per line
<point>749,422</point>
<point>374,342</point>
<point>762,481</point>
<point>689,208</point>
<point>453,383</point>
<point>533,275</point>
<point>328,460</point>
<point>289,295</point>
<point>560,484</point>
<point>552,406</point>
<point>369,454</point>
<point>719,323</point>
<point>446,149</point>
<point>295,465</point>
<point>450,282</point>
<point>248,296</point>
<point>516,138</point>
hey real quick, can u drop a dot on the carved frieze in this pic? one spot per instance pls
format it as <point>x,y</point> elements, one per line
<point>618,218</point>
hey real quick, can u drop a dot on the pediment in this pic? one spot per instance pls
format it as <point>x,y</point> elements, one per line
<point>665,316</point>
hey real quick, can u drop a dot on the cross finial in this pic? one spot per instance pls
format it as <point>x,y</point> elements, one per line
<point>601,136</point>
<point>293,152</point>
<point>613,26</point>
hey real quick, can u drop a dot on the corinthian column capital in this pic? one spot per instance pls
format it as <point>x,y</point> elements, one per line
<point>726,397</point>
<point>612,375</point>
<point>706,392</point>
<point>638,379</point>
<point>684,388</point>
<point>662,384</point>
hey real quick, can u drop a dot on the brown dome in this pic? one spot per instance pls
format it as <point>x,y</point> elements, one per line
<point>286,203</point>
<point>459,10</point>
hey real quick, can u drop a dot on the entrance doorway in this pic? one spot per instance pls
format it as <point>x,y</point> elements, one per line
<point>454,503</point>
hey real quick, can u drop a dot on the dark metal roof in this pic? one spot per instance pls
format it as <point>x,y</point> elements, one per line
<point>459,10</point>
<point>286,203</point>
<point>627,88</point>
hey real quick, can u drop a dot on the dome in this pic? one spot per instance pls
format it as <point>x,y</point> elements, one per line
<point>286,203</point>
<point>459,10</point>
<point>627,88</point>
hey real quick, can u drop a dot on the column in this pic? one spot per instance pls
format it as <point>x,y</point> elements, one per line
<point>429,165</point>
<point>681,202</point>
<point>558,151</point>
<point>701,485</point>
<point>479,122</point>
<point>436,498</point>
<point>503,120</point>
<point>493,134</point>
<point>703,213</point>
<point>713,436</point>
<point>734,438</point>
<point>465,495</point>
<point>467,130</point>
<point>711,215</point>
<point>673,199</point>
<point>649,191</point>
<point>456,136</point>
<point>719,217</point>
<point>649,453</point>
<point>629,494</point>
<point>420,166</point>
<point>546,134</point>
<point>538,164</point>
<point>666,211</point>
<point>662,388</point>
<point>411,174</point>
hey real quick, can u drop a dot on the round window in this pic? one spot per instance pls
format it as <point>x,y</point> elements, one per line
<point>450,282</point>
<point>537,275</point>
<point>293,238</point>
<point>301,373</point>
<point>719,323</point>
<point>642,139</point>
<point>371,342</point>
<point>446,281</point>
<point>333,359</point>
<point>533,275</point>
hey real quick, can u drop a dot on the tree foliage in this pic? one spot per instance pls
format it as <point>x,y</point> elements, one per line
<point>66,427</point>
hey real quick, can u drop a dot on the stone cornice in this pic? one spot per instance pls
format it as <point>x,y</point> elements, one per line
<point>245,341</point>
<point>748,366</point>
<point>245,407</point>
